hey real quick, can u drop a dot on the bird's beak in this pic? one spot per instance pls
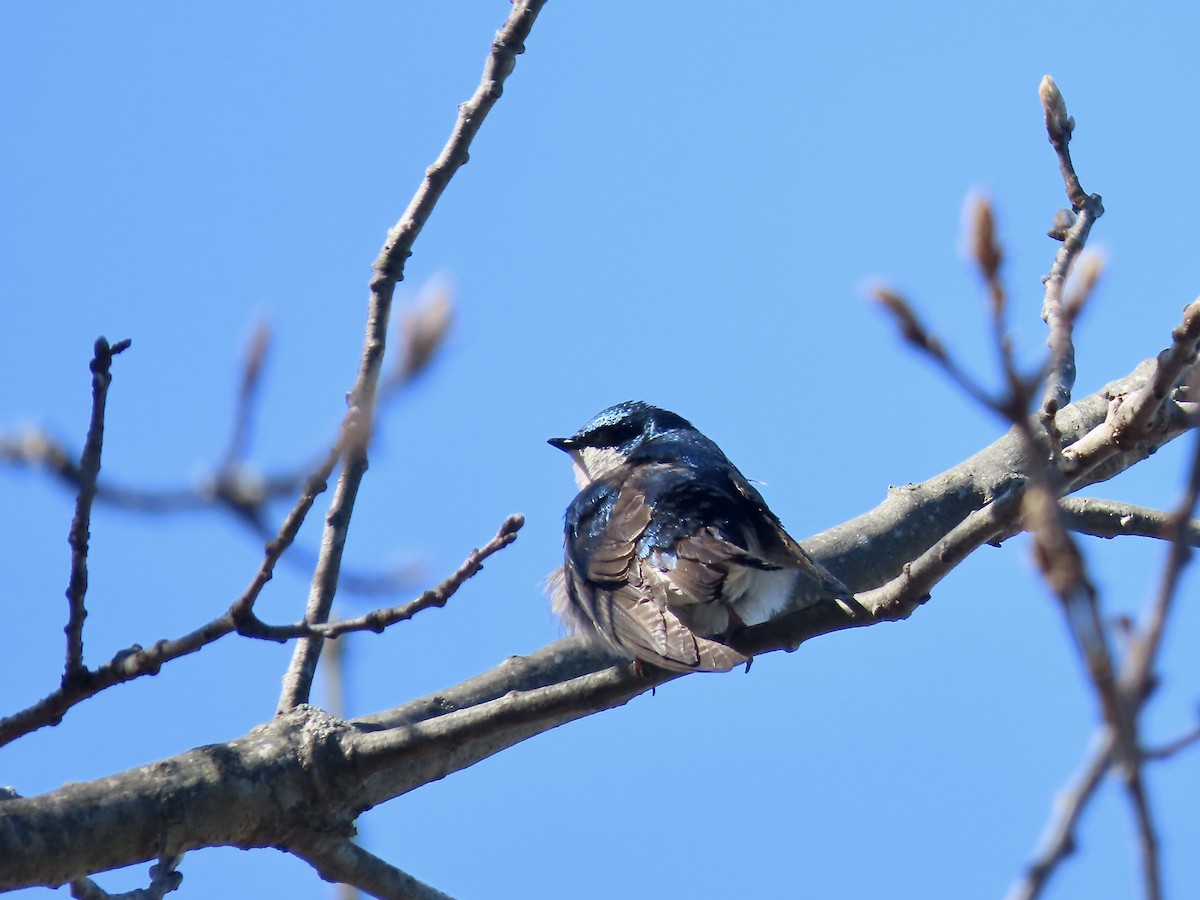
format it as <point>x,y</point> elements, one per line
<point>564,444</point>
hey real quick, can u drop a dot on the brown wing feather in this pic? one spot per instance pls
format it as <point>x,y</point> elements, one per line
<point>635,622</point>
<point>632,607</point>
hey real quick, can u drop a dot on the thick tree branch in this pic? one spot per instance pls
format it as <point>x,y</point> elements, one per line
<point>389,269</point>
<point>1135,415</point>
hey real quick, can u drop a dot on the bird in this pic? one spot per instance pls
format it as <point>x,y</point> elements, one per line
<point>668,548</point>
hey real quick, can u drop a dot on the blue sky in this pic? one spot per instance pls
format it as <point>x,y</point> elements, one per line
<point>677,203</point>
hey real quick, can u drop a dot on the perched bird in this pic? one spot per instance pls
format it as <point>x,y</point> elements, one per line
<point>668,547</point>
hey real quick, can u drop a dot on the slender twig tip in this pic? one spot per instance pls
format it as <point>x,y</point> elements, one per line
<point>1087,274</point>
<point>1059,125</point>
<point>985,249</point>
<point>906,320</point>
<point>424,329</point>
<point>256,351</point>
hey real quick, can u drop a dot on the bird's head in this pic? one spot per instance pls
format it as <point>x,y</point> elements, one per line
<point>605,442</point>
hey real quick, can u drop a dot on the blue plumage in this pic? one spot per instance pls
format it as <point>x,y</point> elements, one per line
<point>668,548</point>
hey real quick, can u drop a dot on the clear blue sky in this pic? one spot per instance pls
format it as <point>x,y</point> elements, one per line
<point>681,203</point>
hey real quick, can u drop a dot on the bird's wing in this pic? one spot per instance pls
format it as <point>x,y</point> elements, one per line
<point>778,548</point>
<point>638,625</point>
<point>626,595</point>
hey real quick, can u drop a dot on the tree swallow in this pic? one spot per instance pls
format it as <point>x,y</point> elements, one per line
<point>669,548</point>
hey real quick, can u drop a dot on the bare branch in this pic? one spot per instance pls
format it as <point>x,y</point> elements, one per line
<point>1058,841</point>
<point>233,789</point>
<point>1059,127</point>
<point>1060,316</point>
<point>917,335</point>
<point>423,332</point>
<point>1135,787</point>
<point>379,619</point>
<point>389,269</point>
<point>316,484</point>
<point>1188,739</point>
<point>163,880</point>
<point>1137,679</point>
<point>1057,554</point>
<point>89,470</point>
<point>136,661</point>
<point>1112,518</point>
<point>1131,417</point>
<point>237,490</point>
<point>1134,684</point>
<point>248,386</point>
<point>36,449</point>
<point>340,860</point>
<point>986,249</point>
<point>1088,269</point>
<point>905,592</point>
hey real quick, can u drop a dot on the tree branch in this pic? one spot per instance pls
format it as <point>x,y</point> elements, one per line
<point>136,661</point>
<point>163,880</point>
<point>389,269</point>
<point>89,469</point>
<point>1134,683</point>
<point>340,860</point>
<point>1059,316</point>
<point>1112,518</point>
<point>379,619</point>
<point>1059,840</point>
<point>308,767</point>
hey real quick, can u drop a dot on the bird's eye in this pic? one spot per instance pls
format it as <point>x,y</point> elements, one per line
<point>613,435</point>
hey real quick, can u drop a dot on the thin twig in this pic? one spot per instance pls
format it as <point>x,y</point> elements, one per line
<point>1058,843</point>
<point>1188,739</point>
<point>248,389</point>
<point>1137,675</point>
<point>898,597</point>
<point>921,338</point>
<point>137,661</point>
<point>237,490</point>
<point>1135,788</point>
<point>1112,518</point>
<point>423,330</point>
<point>379,619</point>
<point>315,485</point>
<point>1057,553</point>
<point>1134,685</point>
<point>1060,376</point>
<point>389,269</point>
<point>989,256</point>
<point>89,470</point>
<point>340,860</point>
<point>36,449</point>
<point>163,880</point>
